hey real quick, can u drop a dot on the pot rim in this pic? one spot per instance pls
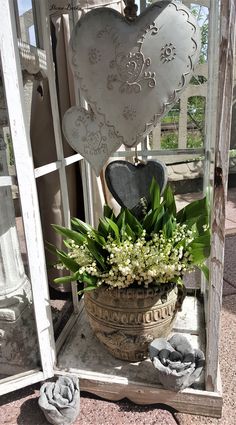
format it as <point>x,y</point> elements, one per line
<point>139,291</point>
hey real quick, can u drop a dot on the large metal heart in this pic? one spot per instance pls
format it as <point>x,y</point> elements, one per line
<point>87,134</point>
<point>129,183</point>
<point>134,72</point>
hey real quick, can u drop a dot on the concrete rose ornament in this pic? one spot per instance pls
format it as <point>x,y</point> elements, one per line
<point>177,363</point>
<point>60,400</point>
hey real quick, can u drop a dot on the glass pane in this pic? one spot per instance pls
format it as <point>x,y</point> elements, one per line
<point>26,21</point>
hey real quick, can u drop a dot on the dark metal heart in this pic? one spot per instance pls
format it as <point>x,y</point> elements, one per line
<point>129,183</point>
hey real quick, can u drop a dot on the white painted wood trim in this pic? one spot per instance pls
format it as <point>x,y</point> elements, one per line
<point>183,122</point>
<point>212,93</point>
<point>53,166</point>
<point>46,169</point>
<point>224,114</point>
<point>11,71</point>
<point>45,22</point>
<point>72,159</point>
<point>211,113</point>
<point>156,137</point>
<point>20,380</point>
<point>86,173</point>
<point>161,152</point>
<point>17,18</point>
<point>67,328</point>
<point>112,382</point>
<point>7,181</point>
<point>116,388</point>
<point>74,290</point>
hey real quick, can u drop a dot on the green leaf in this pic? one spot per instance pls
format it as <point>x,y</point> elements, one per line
<point>168,227</point>
<point>87,289</point>
<point>90,282</point>
<point>151,219</point>
<point>155,194</point>
<point>169,201</point>
<point>121,224</point>
<point>107,212</point>
<point>95,250</point>
<point>80,226</point>
<point>87,278</point>
<point>78,238</point>
<point>67,261</point>
<point>51,248</point>
<point>120,219</point>
<point>66,279</point>
<point>159,220</point>
<point>115,228</point>
<point>202,221</point>
<point>130,232</point>
<point>148,220</point>
<point>200,248</point>
<point>205,270</point>
<point>199,254</point>
<point>134,224</point>
<point>204,239</point>
<point>197,223</point>
<point>103,227</point>
<point>98,238</point>
<point>192,211</point>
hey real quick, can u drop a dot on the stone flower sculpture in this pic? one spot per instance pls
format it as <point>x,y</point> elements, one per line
<point>178,365</point>
<point>60,400</point>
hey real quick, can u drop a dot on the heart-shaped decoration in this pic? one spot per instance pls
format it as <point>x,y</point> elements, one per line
<point>88,135</point>
<point>134,72</point>
<point>129,183</point>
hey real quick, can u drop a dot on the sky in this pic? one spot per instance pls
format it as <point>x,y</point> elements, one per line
<point>24,5</point>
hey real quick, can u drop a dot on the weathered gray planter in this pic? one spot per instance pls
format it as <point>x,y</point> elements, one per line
<point>127,320</point>
<point>60,400</point>
<point>178,365</point>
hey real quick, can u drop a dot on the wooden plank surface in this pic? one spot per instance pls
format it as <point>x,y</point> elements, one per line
<point>84,353</point>
<point>21,380</point>
<point>11,71</point>
<point>112,388</point>
<point>191,319</point>
<point>114,379</point>
<point>226,61</point>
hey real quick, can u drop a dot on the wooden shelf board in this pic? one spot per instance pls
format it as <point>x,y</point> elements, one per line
<point>101,374</point>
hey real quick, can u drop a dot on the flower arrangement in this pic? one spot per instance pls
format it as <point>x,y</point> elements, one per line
<point>152,250</point>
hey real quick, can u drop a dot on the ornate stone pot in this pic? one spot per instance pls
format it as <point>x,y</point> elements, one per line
<point>126,320</point>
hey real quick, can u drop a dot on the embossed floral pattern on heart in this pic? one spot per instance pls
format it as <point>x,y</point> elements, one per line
<point>132,73</point>
<point>87,133</point>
